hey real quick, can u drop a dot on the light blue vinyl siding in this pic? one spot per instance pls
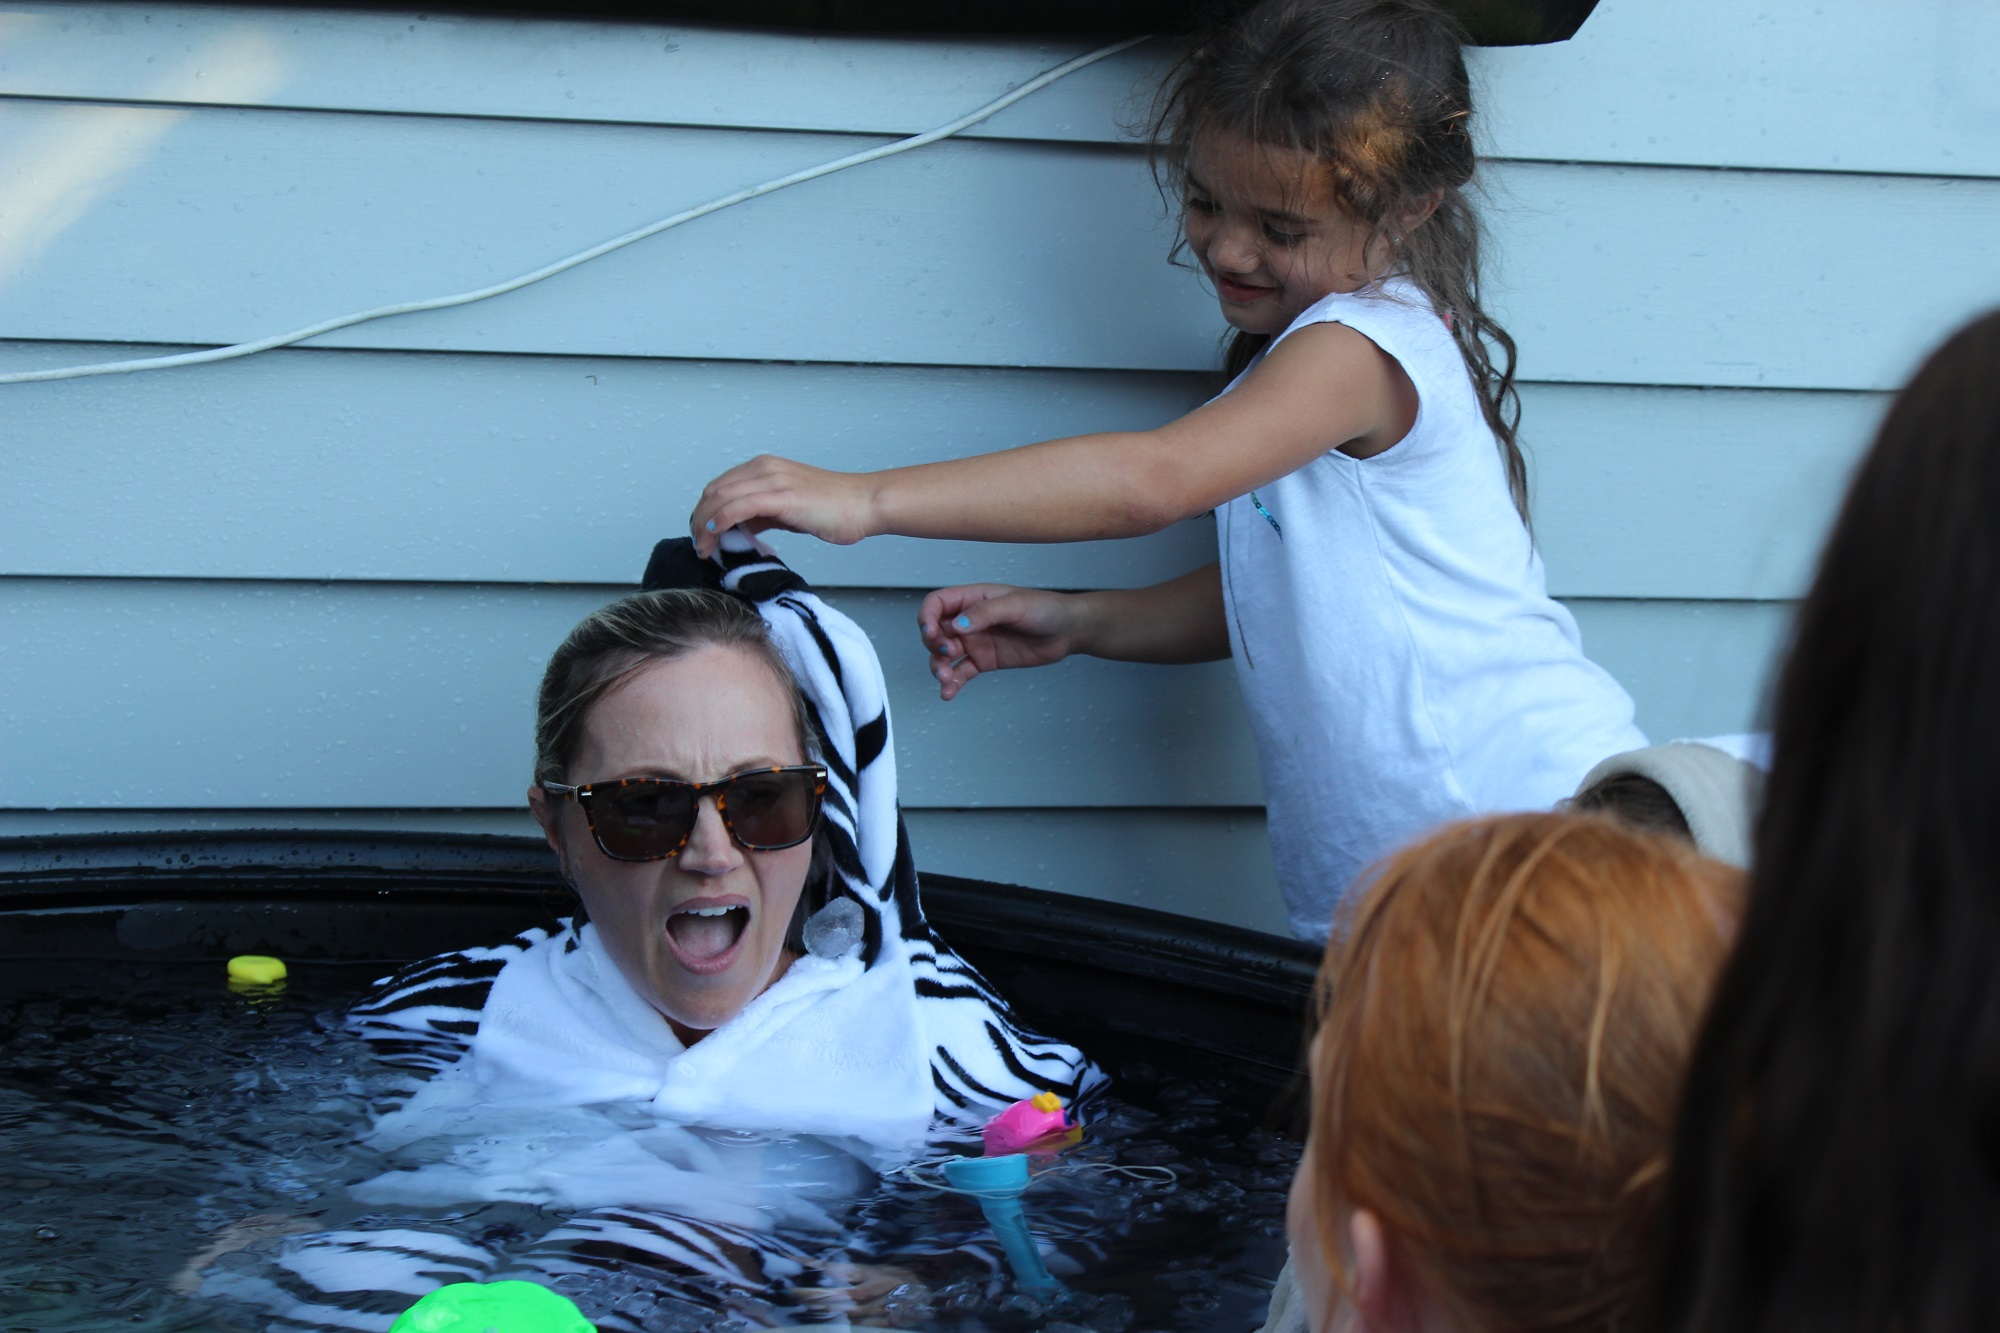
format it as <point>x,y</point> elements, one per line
<point>316,587</point>
<point>459,468</point>
<point>245,694</point>
<point>977,253</point>
<point>1830,85</point>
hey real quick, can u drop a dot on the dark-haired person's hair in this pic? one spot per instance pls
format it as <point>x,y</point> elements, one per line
<point>1837,1161</point>
<point>1635,800</point>
<point>1376,90</point>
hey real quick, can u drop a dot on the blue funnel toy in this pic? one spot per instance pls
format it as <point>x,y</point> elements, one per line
<point>997,1183</point>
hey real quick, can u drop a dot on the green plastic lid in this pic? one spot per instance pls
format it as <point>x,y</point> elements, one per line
<point>493,1307</point>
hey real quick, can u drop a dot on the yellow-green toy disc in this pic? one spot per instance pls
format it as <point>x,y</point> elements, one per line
<point>256,969</point>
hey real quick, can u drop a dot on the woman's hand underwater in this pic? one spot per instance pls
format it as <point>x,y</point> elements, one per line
<point>771,492</point>
<point>878,1295</point>
<point>981,627</point>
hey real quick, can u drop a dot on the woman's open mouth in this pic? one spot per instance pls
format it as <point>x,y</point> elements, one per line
<point>707,933</point>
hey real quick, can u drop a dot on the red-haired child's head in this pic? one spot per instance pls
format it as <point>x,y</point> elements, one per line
<point>1504,1022</point>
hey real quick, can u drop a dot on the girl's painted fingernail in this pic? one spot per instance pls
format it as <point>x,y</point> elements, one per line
<point>963,622</point>
<point>711,525</point>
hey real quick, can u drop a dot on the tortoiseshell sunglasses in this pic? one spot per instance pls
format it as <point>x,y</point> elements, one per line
<point>650,819</point>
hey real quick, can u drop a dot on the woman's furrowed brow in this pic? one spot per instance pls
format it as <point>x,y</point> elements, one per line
<point>648,771</point>
<point>756,763</point>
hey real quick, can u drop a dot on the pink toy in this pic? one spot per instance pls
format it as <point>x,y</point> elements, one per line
<point>1035,1123</point>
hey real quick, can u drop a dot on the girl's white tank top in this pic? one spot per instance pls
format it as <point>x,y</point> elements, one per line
<point>1399,653</point>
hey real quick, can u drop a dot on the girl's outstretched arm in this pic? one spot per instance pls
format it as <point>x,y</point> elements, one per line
<point>1324,387</point>
<point>980,627</point>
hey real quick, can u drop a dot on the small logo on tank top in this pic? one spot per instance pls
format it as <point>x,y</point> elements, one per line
<point>1268,516</point>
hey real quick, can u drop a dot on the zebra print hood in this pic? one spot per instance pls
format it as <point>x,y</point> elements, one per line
<point>862,835</point>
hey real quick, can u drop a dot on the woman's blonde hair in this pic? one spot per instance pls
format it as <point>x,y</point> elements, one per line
<point>611,644</point>
<point>1504,1023</point>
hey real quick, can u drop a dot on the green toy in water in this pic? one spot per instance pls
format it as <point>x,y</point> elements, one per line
<point>493,1307</point>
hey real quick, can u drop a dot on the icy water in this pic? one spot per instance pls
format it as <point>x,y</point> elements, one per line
<point>158,1130</point>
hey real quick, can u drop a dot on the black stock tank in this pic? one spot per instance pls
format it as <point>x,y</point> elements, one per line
<point>178,1155</point>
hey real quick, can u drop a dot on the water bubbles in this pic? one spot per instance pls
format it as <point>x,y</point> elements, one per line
<point>502,1233</point>
<point>1019,1303</point>
<point>1272,1150</point>
<point>909,1306</point>
<point>1151,1154</point>
<point>960,1297</point>
<point>739,1138</point>
<point>1094,1314</point>
<point>47,1233</point>
<point>1113,1314</point>
<point>635,1305</point>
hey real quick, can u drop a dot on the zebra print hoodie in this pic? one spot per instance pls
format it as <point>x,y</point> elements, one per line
<point>662,1207</point>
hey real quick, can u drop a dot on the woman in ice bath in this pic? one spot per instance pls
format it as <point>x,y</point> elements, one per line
<point>714,769</point>
<point>700,1070</point>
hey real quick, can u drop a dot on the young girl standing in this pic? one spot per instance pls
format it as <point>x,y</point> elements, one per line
<point>1378,589</point>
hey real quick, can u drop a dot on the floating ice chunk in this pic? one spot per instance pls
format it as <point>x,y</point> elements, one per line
<point>834,930</point>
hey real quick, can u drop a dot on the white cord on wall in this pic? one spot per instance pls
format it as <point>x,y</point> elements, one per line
<point>1032,86</point>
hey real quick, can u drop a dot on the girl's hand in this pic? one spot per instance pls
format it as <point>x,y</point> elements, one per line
<point>769,492</point>
<point>981,627</point>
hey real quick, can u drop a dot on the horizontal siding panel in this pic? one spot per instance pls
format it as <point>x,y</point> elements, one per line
<point>1694,668</point>
<point>134,693</point>
<point>159,695</point>
<point>336,465</point>
<point>1815,85</point>
<point>218,225</point>
<point>398,466</point>
<point>630,73</point>
<point>1688,493</point>
<point>1634,275</point>
<point>1210,864</point>
<point>211,226</point>
<point>1795,84</point>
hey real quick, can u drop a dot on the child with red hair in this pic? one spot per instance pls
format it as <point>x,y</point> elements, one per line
<point>1504,1023</point>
